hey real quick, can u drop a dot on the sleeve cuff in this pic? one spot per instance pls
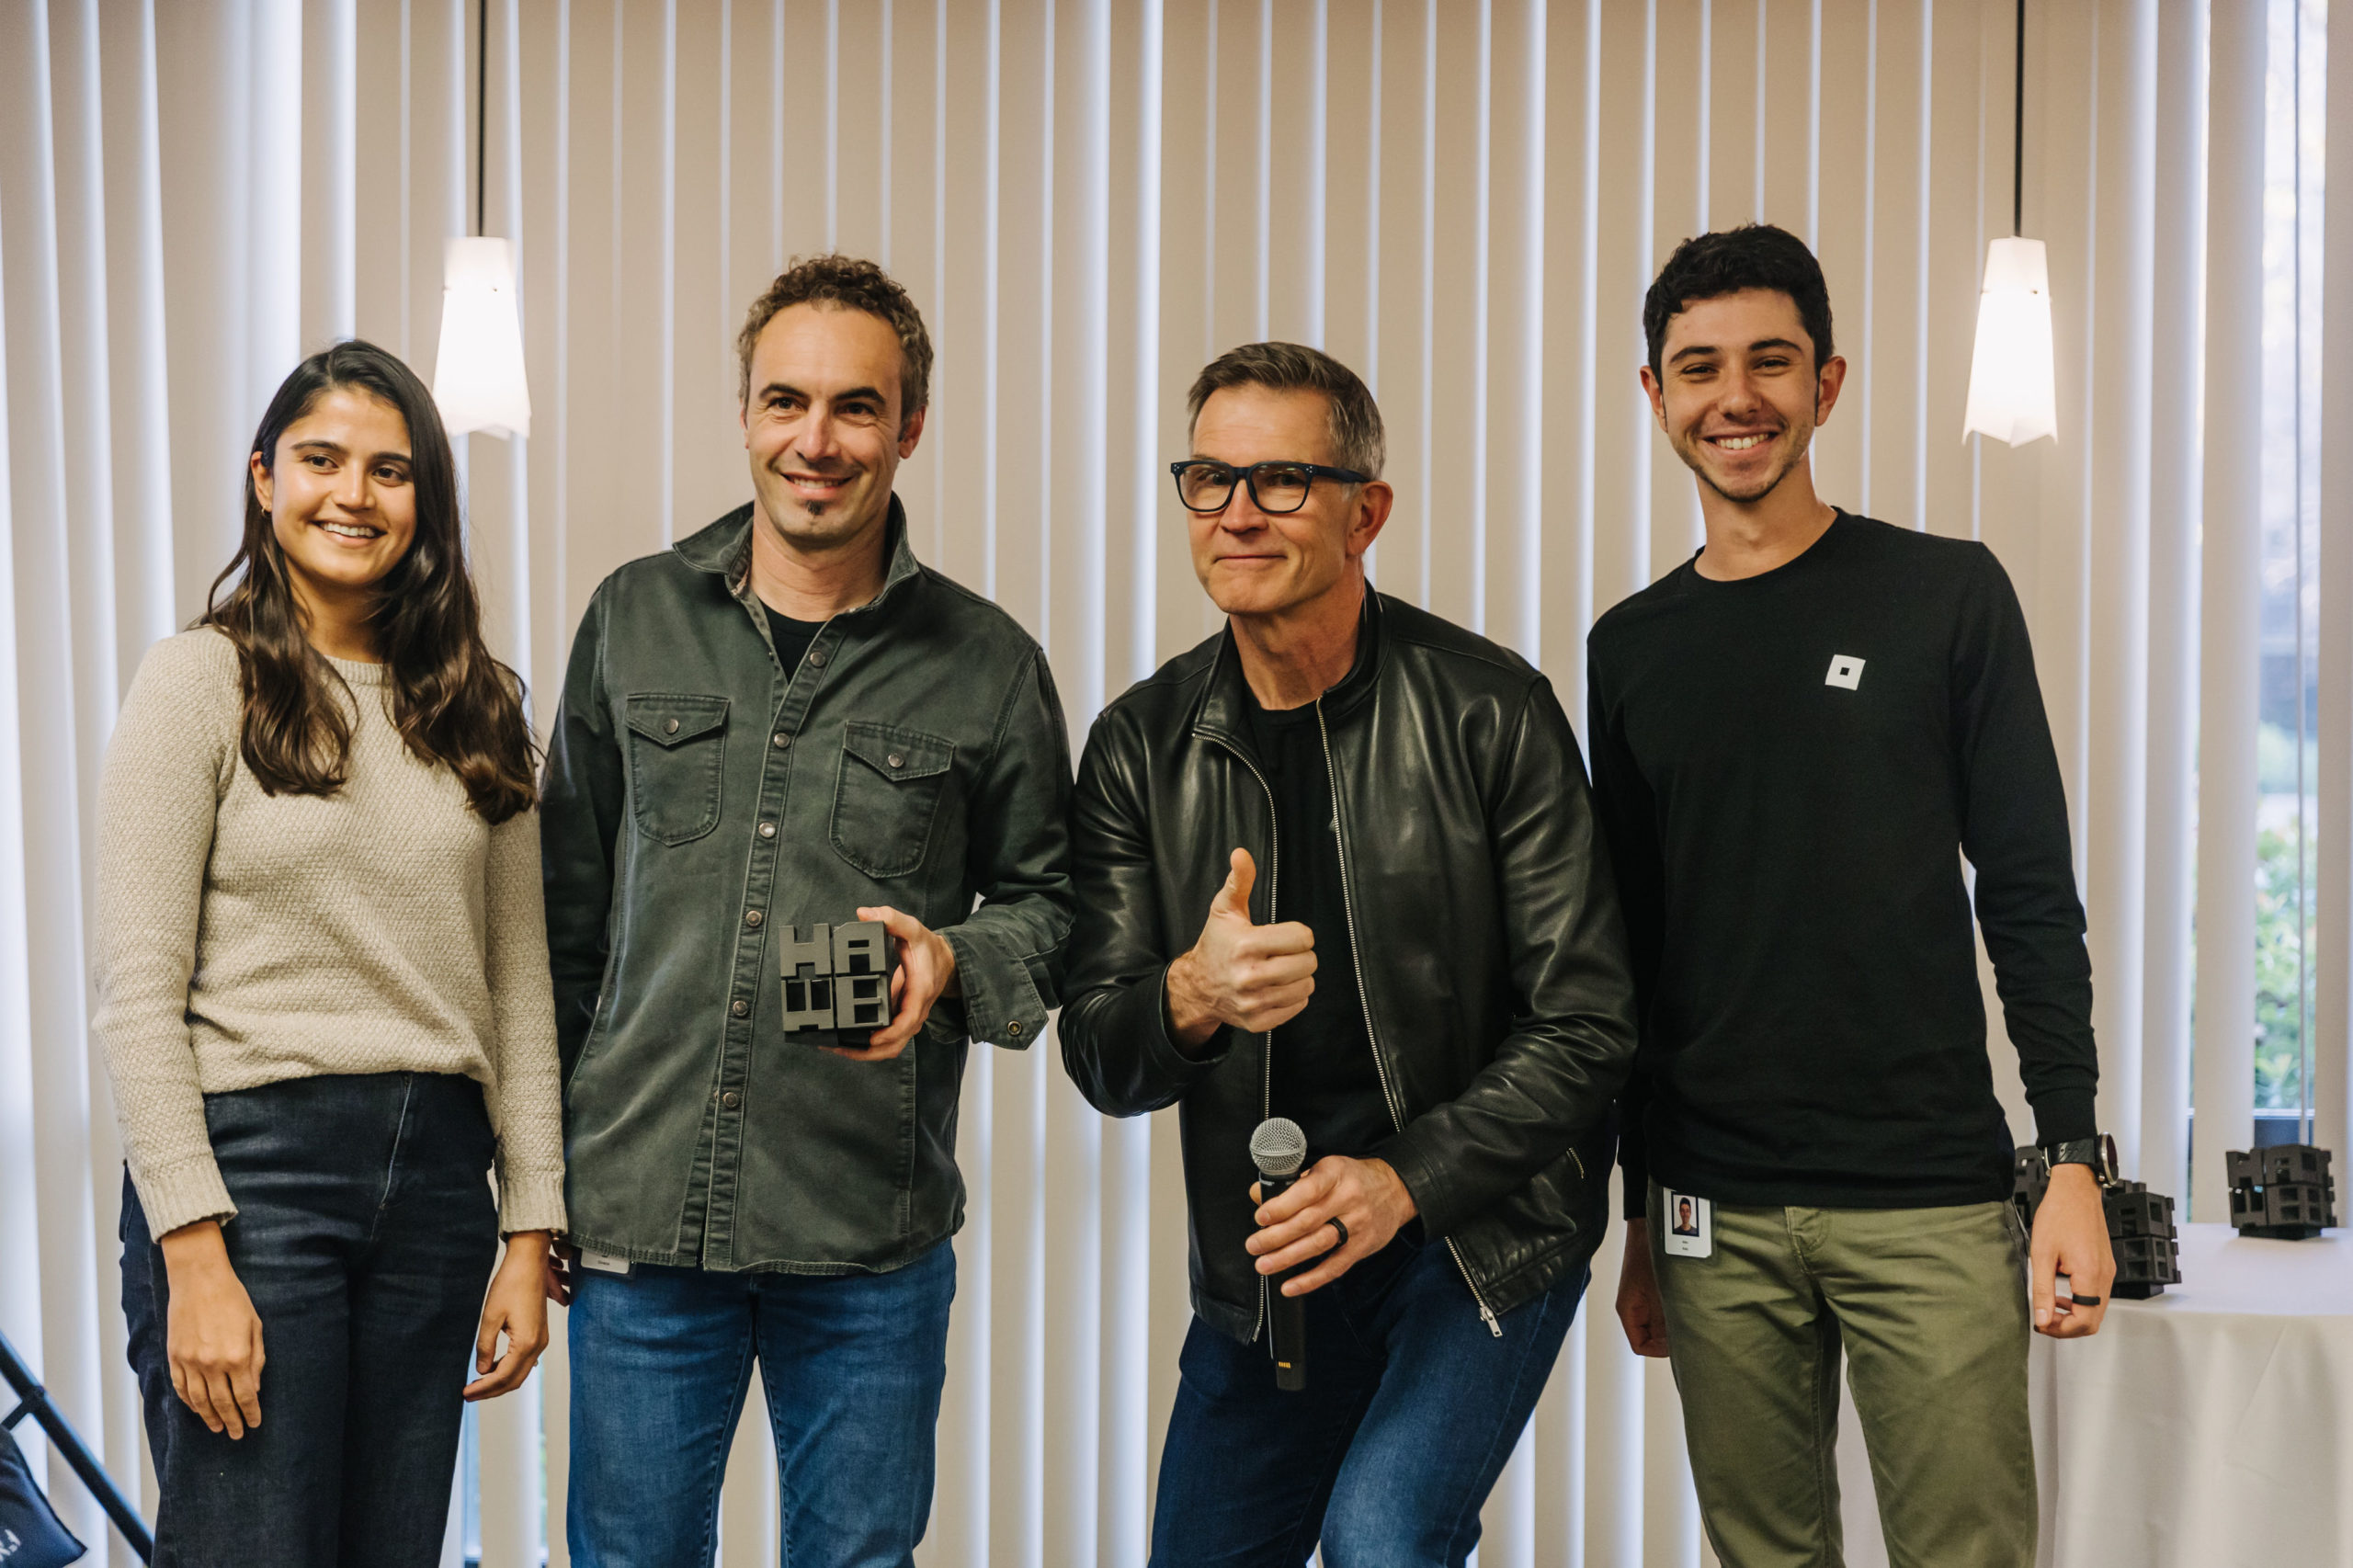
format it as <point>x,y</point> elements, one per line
<point>1638,1187</point>
<point>1001,1002</point>
<point>530,1201</point>
<point>1164,1058</point>
<point>1405,1155</point>
<point>2063,1114</point>
<point>1636,1175</point>
<point>183,1194</point>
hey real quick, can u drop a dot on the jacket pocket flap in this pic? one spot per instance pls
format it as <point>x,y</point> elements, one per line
<point>668,717</point>
<point>897,752</point>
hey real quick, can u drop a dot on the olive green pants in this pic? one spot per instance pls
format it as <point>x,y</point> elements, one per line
<point>1929,1309</point>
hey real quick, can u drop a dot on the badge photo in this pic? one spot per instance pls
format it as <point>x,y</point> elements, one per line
<point>1690,1224</point>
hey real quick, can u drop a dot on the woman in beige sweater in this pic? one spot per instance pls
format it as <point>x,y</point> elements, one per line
<point>324,997</point>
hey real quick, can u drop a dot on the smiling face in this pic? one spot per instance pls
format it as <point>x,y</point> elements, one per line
<point>1254,564</point>
<point>1738,393</point>
<point>823,427</point>
<point>339,494</point>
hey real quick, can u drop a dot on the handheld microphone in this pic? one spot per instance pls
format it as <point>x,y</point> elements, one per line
<point>1278,1148</point>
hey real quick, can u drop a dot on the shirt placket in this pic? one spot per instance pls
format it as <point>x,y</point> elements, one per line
<point>747,973</point>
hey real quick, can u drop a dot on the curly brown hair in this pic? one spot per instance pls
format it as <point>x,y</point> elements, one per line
<point>849,283</point>
<point>1754,256</point>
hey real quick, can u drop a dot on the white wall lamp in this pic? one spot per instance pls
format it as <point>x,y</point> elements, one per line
<point>477,376</point>
<point>2013,383</point>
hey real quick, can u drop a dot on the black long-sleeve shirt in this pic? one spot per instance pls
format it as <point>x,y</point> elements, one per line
<point>1789,769</point>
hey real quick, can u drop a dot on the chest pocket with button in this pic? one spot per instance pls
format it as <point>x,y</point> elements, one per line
<point>886,795</point>
<point>677,743</point>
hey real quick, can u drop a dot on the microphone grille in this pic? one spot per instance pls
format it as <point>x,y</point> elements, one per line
<point>1278,1148</point>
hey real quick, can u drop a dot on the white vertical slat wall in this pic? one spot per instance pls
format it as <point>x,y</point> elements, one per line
<point>1464,199</point>
<point>2230,582</point>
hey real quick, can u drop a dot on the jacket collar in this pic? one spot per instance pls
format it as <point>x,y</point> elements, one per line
<point>1224,702</point>
<point>724,550</point>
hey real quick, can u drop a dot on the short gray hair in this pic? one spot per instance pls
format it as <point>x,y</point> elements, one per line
<point>1357,438</point>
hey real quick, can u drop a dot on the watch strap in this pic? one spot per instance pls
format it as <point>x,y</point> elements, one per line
<point>2097,1151</point>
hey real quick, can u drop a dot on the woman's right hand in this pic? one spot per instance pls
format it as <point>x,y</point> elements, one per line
<point>213,1337</point>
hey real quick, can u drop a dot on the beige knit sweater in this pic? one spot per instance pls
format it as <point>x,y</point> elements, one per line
<point>244,938</point>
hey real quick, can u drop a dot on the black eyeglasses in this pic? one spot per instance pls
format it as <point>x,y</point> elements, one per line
<point>1275,487</point>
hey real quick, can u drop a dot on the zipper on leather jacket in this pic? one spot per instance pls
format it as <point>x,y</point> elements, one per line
<point>1364,999</point>
<point>1267,1050</point>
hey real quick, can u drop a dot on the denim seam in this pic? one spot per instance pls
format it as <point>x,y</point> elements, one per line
<point>718,1471</point>
<point>1334,1457</point>
<point>1519,1374</point>
<point>769,1397</point>
<point>392,1165</point>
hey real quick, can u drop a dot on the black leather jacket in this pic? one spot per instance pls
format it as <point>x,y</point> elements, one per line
<point>1489,950</point>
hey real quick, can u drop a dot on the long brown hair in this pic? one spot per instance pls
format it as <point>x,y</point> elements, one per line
<point>452,703</point>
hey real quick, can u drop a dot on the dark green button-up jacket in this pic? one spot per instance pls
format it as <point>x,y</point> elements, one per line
<point>699,797</point>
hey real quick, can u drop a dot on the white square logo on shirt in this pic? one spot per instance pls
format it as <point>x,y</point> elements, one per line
<point>1844,670</point>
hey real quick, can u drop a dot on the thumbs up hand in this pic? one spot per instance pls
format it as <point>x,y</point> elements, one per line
<point>1250,977</point>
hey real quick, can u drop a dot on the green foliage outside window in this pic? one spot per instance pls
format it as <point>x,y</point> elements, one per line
<point>2278,943</point>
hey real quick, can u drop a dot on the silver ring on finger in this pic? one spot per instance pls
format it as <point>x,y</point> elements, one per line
<point>1334,1222</point>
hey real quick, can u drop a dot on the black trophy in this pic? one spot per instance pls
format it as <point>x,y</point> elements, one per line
<point>2284,1192</point>
<point>838,982</point>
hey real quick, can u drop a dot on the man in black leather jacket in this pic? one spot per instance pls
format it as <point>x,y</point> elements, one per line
<point>1377,824</point>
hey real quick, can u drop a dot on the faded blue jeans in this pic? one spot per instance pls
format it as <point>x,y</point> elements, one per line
<point>852,1366</point>
<point>1412,1408</point>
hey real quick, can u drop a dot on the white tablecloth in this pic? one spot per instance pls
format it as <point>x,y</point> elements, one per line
<point>2208,1427</point>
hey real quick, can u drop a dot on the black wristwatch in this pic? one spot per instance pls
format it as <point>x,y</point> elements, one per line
<point>2097,1151</point>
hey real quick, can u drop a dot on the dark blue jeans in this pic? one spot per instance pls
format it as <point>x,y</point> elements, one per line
<point>1411,1411</point>
<point>852,1366</point>
<point>365,1234</point>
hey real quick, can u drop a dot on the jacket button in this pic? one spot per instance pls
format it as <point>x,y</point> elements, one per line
<point>768,830</point>
<point>896,760</point>
<point>751,918</point>
<point>817,658</point>
<point>740,1007</point>
<point>731,1099</point>
<point>1014,1028</point>
<point>670,728</point>
<point>782,740</point>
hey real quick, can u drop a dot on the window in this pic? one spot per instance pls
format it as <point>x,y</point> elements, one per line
<point>2287,810</point>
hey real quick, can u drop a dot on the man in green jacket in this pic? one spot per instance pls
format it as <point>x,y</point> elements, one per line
<point>783,722</point>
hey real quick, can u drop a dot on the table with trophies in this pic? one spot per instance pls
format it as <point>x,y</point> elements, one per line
<point>2209,1423</point>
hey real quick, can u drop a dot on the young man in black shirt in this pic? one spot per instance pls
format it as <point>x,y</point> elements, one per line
<point>1797,736</point>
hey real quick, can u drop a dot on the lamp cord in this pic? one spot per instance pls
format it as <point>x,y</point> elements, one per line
<point>481,114</point>
<point>2017,133</point>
